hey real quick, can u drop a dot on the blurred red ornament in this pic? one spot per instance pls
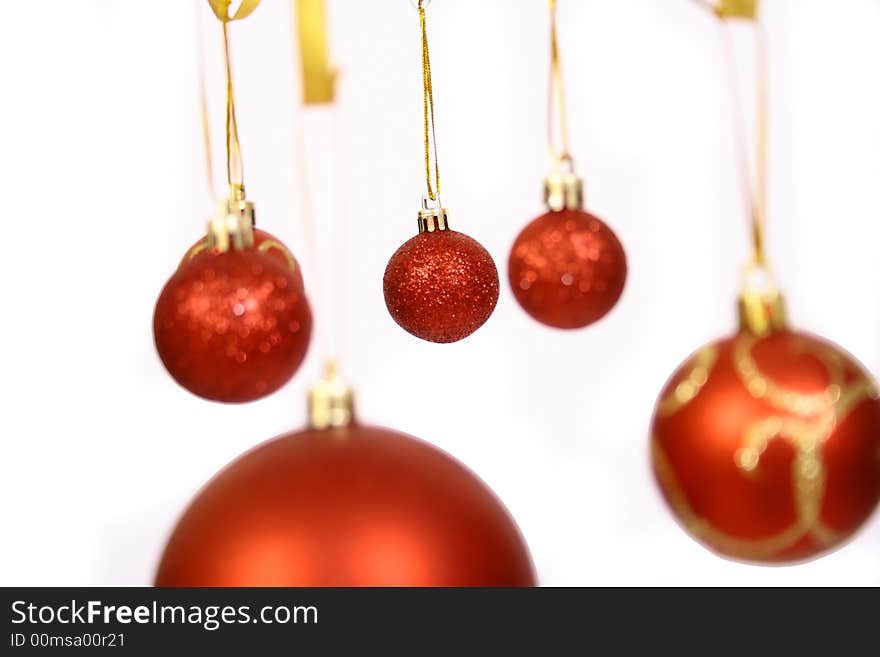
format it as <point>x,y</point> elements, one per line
<point>768,448</point>
<point>233,326</point>
<point>441,286</point>
<point>263,242</point>
<point>346,506</point>
<point>567,269</point>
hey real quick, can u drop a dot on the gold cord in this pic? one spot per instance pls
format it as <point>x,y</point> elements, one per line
<point>556,101</point>
<point>234,164</point>
<point>754,188</point>
<point>428,110</point>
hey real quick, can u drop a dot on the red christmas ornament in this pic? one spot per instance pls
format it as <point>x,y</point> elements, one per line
<point>441,285</point>
<point>346,506</point>
<point>263,242</point>
<point>234,325</point>
<point>567,269</point>
<point>766,445</point>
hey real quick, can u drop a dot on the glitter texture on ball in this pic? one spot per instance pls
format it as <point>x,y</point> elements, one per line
<point>441,286</point>
<point>567,269</point>
<point>232,326</point>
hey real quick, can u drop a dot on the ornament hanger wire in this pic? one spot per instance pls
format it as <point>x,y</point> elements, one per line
<point>754,186</point>
<point>557,117</point>
<point>234,163</point>
<point>428,108</point>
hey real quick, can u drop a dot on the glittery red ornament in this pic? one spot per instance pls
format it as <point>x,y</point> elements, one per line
<point>350,506</point>
<point>441,286</point>
<point>768,448</point>
<point>233,326</point>
<point>263,242</point>
<point>567,269</point>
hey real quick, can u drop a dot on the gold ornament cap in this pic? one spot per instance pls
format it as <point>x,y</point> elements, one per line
<point>563,190</point>
<point>233,227</point>
<point>331,401</point>
<point>432,217</point>
<point>761,312</point>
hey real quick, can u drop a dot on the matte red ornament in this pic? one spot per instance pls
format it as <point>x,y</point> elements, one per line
<point>567,269</point>
<point>348,506</point>
<point>767,448</point>
<point>233,326</point>
<point>441,286</point>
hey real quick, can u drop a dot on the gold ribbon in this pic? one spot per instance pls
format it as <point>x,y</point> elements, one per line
<point>318,76</point>
<point>556,101</point>
<point>428,109</point>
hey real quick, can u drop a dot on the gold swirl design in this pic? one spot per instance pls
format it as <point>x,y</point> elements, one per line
<point>702,529</point>
<point>763,387</point>
<point>693,382</point>
<point>275,244</point>
<point>824,411</point>
<point>817,415</point>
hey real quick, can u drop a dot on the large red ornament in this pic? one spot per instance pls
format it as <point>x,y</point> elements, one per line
<point>567,269</point>
<point>233,326</point>
<point>768,448</point>
<point>441,286</point>
<point>348,506</point>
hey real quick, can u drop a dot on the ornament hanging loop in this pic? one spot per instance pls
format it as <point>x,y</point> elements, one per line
<point>760,304</point>
<point>557,117</point>
<point>761,308</point>
<point>232,227</point>
<point>428,107</point>
<point>234,163</point>
<point>563,189</point>
<point>754,186</point>
<point>432,216</point>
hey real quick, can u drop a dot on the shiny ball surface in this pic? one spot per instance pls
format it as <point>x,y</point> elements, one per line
<point>768,449</point>
<point>567,269</point>
<point>264,242</point>
<point>441,286</point>
<point>232,326</point>
<point>354,506</point>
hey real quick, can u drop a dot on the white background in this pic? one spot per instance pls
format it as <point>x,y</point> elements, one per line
<point>103,186</point>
